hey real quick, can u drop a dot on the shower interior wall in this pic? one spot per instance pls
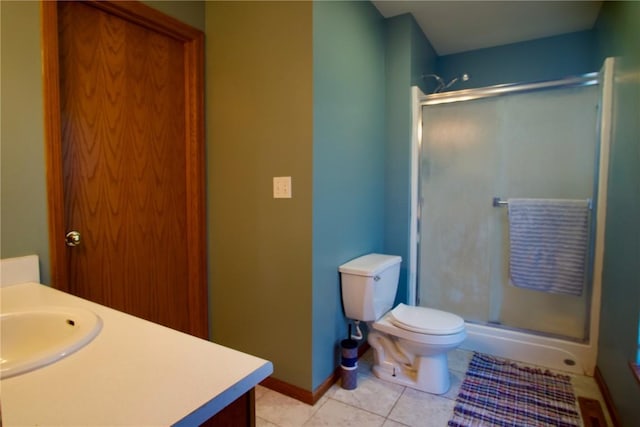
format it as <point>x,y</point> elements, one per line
<point>542,59</point>
<point>409,57</point>
<point>539,144</point>
<point>615,33</point>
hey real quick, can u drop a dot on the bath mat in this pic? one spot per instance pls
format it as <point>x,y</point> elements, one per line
<point>497,392</point>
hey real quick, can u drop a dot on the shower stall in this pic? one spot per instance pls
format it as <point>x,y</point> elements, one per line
<point>537,140</point>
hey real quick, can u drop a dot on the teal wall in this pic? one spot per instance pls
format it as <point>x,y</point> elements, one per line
<point>348,159</point>
<point>364,67</point>
<point>423,58</point>
<point>548,58</point>
<point>409,55</point>
<point>618,33</point>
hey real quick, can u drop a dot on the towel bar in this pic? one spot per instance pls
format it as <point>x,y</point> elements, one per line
<point>499,203</point>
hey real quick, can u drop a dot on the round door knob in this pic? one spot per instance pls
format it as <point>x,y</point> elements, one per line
<point>72,238</point>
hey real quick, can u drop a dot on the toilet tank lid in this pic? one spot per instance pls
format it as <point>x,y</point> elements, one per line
<point>369,265</point>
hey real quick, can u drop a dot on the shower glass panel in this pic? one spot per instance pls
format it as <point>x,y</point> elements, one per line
<point>523,145</point>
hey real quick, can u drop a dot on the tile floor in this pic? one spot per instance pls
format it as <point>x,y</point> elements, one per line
<point>379,403</point>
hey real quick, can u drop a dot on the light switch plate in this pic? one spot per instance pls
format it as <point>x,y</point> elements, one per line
<point>281,187</point>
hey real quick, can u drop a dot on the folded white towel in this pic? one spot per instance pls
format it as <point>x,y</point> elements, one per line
<point>548,244</point>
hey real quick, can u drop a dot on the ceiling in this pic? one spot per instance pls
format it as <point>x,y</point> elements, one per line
<point>459,26</point>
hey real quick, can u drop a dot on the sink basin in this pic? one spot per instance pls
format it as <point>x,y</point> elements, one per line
<point>30,339</point>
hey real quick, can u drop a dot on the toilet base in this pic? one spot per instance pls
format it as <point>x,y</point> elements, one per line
<point>428,373</point>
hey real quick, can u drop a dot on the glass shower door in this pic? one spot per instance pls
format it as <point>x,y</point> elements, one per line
<point>529,145</point>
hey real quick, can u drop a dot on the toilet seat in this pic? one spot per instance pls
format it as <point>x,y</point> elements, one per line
<point>424,320</point>
<point>386,326</point>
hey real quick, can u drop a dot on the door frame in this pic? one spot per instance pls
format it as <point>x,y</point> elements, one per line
<point>193,42</point>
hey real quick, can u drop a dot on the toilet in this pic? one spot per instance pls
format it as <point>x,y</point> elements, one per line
<point>410,343</point>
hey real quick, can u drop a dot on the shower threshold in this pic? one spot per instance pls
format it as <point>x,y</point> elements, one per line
<point>545,351</point>
<point>501,325</point>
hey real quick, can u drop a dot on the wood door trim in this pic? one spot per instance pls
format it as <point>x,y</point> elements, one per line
<point>148,17</point>
<point>53,145</point>
<point>193,42</point>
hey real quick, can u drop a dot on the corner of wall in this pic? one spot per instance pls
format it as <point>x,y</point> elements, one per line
<point>348,159</point>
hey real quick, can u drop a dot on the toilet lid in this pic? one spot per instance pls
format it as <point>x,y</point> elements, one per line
<point>426,320</point>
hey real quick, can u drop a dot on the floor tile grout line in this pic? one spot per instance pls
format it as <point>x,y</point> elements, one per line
<point>579,385</point>
<point>362,409</point>
<point>317,410</point>
<point>395,404</point>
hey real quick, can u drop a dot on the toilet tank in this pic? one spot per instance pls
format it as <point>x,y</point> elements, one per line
<point>369,285</point>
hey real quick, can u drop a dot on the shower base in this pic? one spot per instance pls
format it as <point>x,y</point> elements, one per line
<point>548,352</point>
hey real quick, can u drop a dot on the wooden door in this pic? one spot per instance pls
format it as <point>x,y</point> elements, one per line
<point>124,95</point>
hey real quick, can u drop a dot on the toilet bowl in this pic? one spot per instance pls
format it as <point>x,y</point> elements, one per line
<point>410,343</point>
<point>414,354</point>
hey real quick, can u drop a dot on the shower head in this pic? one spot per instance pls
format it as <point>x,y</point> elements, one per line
<point>441,83</point>
<point>464,77</point>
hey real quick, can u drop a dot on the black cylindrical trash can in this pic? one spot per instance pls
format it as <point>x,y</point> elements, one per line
<point>349,364</point>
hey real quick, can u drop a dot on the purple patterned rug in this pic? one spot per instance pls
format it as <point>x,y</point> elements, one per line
<point>497,392</point>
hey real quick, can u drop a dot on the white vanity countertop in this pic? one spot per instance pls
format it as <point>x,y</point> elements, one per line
<point>134,373</point>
